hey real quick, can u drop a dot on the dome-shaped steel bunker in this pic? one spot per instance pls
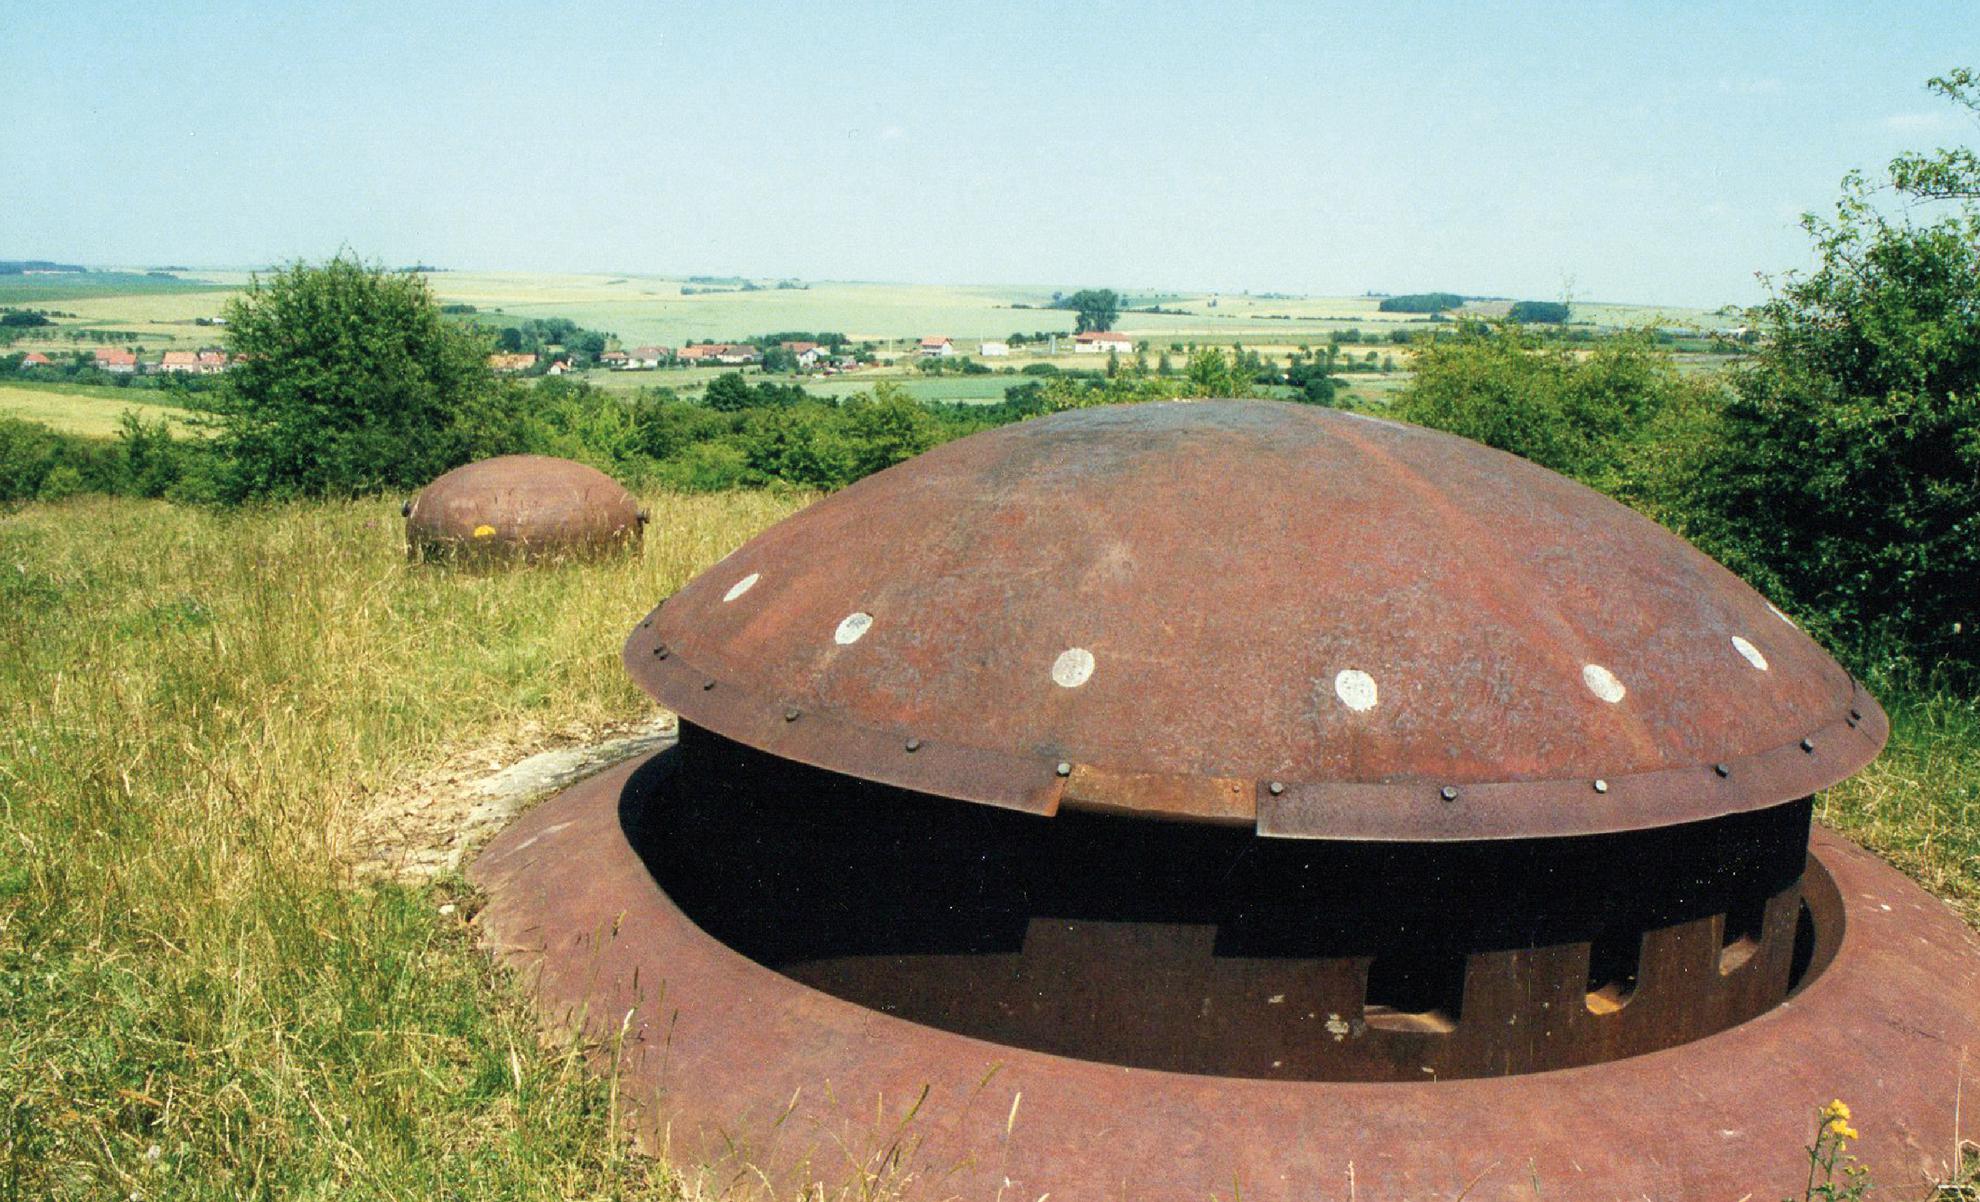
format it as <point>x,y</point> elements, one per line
<point>1202,773</point>
<point>522,507</point>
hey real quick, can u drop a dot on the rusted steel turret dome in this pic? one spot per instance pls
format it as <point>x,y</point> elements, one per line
<point>523,507</point>
<point>1307,619</point>
<point>1233,797</point>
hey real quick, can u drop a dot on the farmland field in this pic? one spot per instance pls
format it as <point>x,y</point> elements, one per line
<point>92,412</point>
<point>669,311</point>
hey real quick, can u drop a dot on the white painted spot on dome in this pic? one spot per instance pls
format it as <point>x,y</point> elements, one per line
<point>1602,683</point>
<point>1782,616</point>
<point>1751,653</point>
<point>742,586</point>
<point>1356,689</point>
<point>1072,668</point>
<point>850,630</point>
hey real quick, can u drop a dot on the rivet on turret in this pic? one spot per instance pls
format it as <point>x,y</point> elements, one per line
<point>1448,792</point>
<point>1276,788</point>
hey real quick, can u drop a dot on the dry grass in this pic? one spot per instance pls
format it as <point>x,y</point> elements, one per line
<point>195,999</point>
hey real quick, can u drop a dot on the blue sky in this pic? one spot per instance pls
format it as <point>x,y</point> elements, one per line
<point>1644,152</point>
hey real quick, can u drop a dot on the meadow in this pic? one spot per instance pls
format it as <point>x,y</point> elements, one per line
<point>91,411</point>
<point>198,999</point>
<point>200,996</point>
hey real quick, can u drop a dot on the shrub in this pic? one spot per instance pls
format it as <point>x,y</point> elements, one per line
<point>1577,415</point>
<point>350,381</point>
<point>1538,312</point>
<point>1844,473</point>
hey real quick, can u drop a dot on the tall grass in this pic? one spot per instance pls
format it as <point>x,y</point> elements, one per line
<point>196,1000</point>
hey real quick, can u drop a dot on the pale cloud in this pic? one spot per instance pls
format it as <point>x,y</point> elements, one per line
<point>893,133</point>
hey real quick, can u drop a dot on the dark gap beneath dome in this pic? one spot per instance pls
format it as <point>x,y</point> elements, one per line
<point>1212,950</point>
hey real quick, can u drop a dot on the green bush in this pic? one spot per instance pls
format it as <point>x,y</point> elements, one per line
<point>1577,414</point>
<point>1538,312</point>
<point>350,381</point>
<point>1843,475</point>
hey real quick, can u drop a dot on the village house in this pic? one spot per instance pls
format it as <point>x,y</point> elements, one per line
<point>807,353</point>
<point>614,359</point>
<point>646,358</point>
<point>116,360</point>
<point>993,350</point>
<point>35,359</point>
<point>559,367</point>
<point>510,364</point>
<point>193,363</point>
<point>937,347</point>
<point>1099,342</point>
<point>730,353</point>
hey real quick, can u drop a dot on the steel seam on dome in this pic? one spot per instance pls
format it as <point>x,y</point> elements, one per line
<point>1376,810</point>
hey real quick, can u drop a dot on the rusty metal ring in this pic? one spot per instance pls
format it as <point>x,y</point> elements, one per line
<point>729,1061</point>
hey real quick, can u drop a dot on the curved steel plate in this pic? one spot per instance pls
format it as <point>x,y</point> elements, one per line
<point>1172,608</point>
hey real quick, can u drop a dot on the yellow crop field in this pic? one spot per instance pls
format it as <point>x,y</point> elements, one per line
<point>93,412</point>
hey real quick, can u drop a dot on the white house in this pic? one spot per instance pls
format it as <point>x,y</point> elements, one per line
<point>937,347</point>
<point>1099,342</point>
<point>994,350</point>
<point>646,358</point>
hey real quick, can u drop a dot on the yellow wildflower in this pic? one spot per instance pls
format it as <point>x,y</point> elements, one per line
<point>484,531</point>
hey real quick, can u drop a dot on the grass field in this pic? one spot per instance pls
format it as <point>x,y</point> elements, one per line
<point>81,409</point>
<point>198,1001</point>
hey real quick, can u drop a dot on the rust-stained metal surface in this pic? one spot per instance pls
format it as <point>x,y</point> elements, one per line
<point>1314,623</point>
<point>523,507</point>
<point>731,1063</point>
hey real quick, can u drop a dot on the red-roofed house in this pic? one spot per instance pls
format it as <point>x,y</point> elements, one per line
<point>1099,342</point>
<point>618,359</point>
<point>696,354</point>
<point>937,347</point>
<point>509,365</point>
<point>646,357</point>
<point>35,359</point>
<point>116,360</point>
